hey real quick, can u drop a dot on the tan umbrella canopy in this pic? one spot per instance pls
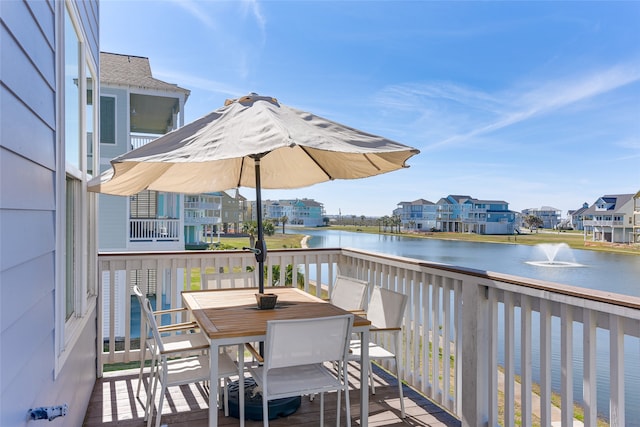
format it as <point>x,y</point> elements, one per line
<point>253,141</point>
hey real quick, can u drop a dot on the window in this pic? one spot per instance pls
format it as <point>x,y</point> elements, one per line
<point>75,287</point>
<point>107,120</point>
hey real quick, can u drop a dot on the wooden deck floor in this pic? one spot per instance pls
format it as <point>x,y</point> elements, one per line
<point>114,403</point>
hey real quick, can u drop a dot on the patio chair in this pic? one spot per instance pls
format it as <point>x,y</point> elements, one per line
<point>173,368</point>
<point>179,338</point>
<point>385,311</point>
<point>294,361</point>
<point>349,294</point>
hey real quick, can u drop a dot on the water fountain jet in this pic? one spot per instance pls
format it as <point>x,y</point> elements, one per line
<point>551,250</point>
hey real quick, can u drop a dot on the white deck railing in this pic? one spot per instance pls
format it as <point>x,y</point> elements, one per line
<point>154,230</point>
<point>485,325</point>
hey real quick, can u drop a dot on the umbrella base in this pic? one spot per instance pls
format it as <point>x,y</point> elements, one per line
<point>253,404</point>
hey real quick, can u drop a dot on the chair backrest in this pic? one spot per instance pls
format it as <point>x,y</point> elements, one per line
<point>349,293</point>
<point>244,279</point>
<point>139,295</point>
<point>386,308</point>
<point>152,326</point>
<point>307,341</point>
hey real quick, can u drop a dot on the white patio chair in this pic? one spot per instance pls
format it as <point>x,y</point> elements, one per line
<point>294,361</point>
<point>349,294</point>
<point>385,311</point>
<point>174,369</point>
<point>179,337</point>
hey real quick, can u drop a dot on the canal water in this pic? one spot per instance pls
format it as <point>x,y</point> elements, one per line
<point>593,270</point>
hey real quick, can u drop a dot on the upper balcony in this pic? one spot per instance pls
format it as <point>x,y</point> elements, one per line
<point>475,343</point>
<point>602,223</point>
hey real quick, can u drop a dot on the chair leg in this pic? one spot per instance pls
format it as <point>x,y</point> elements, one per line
<point>372,384</point>
<point>265,412</point>
<point>163,390</point>
<point>402,415</point>
<point>142,357</point>
<point>347,399</point>
<point>339,403</point>
<point>151,393</point>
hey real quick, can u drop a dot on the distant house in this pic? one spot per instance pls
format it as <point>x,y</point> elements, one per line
<point>305,212</point>
<point>450,211</point>
<point>136,108</point>
<point>465,214</point>
<point>636,217</point>
<point>207,216</point>
<point>419,215</point>
<point>575,218</point>
<point>611,218</point>
<point>550,216</point>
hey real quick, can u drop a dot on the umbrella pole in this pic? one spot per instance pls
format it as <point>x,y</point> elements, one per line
<point>261,247</point>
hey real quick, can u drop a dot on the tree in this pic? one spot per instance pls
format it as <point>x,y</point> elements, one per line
<point>284,219</point>
<point>251,228</point>
<point>533,221</point>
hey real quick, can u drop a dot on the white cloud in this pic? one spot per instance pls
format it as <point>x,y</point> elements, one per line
<point>471,113</point>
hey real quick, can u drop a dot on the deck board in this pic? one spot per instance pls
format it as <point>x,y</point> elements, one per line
<point>113,403</point>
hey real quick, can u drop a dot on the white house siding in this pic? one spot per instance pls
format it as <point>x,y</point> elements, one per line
<point>28,234</point>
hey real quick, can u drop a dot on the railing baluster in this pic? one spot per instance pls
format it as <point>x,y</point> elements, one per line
<point>589,369</point>
<point>566,362</point>
<point>545,363</point>
<point>616,362</point>
<point>509,358</point>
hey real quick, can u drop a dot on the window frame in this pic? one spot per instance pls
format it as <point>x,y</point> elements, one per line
<point>74,314</point>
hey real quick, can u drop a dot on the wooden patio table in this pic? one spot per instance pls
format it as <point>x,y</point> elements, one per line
<point>231,317</point>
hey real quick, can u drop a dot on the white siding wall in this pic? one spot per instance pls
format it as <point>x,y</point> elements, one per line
<point>28,234</point>
<point>112,227</point>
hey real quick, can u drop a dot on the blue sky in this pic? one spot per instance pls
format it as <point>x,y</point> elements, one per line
<point>533,103</point>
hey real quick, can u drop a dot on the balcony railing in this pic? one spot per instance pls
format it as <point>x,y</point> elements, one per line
<point>467,332</point>
<point>154,230</point>
<point>603,223</point>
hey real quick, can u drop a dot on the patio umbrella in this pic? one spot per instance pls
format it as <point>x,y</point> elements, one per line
<point>253,141</point>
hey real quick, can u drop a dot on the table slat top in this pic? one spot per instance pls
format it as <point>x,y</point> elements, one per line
<point>224,313</point>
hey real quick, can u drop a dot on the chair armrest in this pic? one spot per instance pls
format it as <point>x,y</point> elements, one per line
<point>169,311</point>
<point>360,313</point>
<point>384,329</point>
<point>183,350</point>
<point>178,327</point>
<point>254,352</point>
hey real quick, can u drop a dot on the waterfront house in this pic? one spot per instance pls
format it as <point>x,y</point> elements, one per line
<point>419,215</point>
<point>550,216</point>
<point>304,212</point>
<point>636,217</point>
<point>575,218</point>
<point>611,219</point>
<point>465,214</point>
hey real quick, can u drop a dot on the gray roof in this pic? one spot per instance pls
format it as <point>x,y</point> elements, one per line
<point>619,201</point>
<point>130,70</point>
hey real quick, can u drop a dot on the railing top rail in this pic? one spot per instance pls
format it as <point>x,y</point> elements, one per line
<point>541,285</point>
